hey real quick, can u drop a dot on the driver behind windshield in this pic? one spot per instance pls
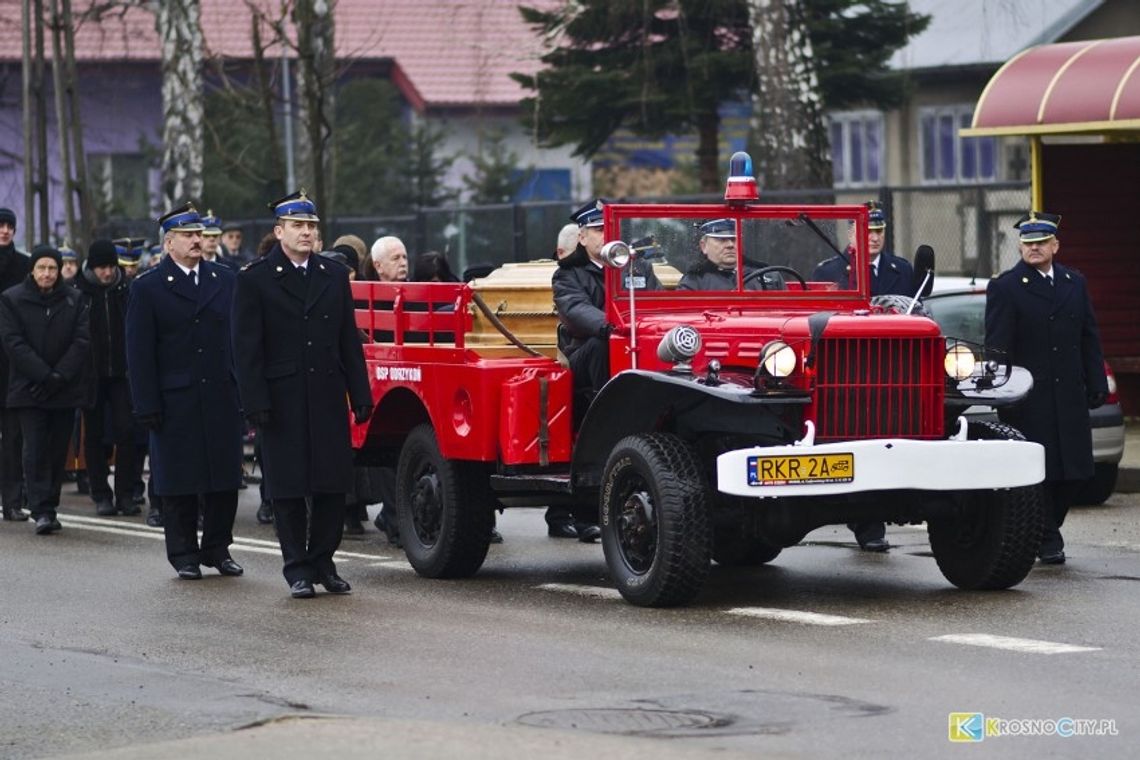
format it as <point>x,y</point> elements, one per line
<point>715,268</point>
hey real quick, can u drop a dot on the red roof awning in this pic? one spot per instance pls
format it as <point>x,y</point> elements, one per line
<point>1092,86</point>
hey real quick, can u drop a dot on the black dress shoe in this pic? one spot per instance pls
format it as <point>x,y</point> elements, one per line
<point>1056,557</point>
<point>15,514</point>
<point>334,584</point>
<point>228,567</point>
<point>302,589</point>
<point>353,527</point>
<point>105,508</point>
<point>589,534</point>
<point>129,508</point>
<point>43,526</point>
<point>561,530</point>
<point>154,517</point>
<point>265,513</point>
<point>875,545</point>
<point>190,573</point>
<point>55,525</point>
<point>496,537</point>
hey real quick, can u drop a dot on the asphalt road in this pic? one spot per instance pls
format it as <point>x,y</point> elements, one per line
<point>826,652</point>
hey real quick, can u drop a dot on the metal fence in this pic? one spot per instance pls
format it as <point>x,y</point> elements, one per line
<point>969,226</point>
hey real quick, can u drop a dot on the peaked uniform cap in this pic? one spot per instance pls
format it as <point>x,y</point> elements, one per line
<point>212,224</point>
<point>1037,226</point>
<point>719,228</point>
<point>589,215</point>
<point>876,217</point>
<point>297,207</point>
<point>183,219</point>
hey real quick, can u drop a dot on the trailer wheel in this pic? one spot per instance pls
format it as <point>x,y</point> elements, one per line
<point>992,542</point>
<point>445,509</point>
<point>655,531</point>
<point>731,549</point>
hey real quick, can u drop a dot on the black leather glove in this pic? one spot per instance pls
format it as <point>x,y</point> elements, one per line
<point>1096,399</point>
<point>150,421</point>
<point>38,392</point>
<point>360,414</point>
<point>259,419</point>
<point>53,383</point>
<point>605,330</point>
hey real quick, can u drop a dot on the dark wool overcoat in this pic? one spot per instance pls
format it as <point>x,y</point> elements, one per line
<point>14,267</point>
<point>299,358</point>
<point>44,333</point>
<point>895,277</point>
<point>180,366</point>
<point>1051,331</point>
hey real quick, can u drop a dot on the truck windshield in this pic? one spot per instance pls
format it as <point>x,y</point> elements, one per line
<point>704,255</point>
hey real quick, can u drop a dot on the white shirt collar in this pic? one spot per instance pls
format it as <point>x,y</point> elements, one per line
<point>186,270</point>
<point>1046,274</point>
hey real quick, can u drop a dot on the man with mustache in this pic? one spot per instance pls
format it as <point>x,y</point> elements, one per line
<point>182,387</point>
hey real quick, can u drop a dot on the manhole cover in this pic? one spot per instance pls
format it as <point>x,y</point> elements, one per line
<point>627,721</point>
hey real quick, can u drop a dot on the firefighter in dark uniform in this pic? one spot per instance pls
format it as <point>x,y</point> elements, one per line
<point>580,298</point>
<point>716,266</point>
<point>1039,315</point>
<point>181,377</point>
<point>890,275</point>
<point>300,366</point>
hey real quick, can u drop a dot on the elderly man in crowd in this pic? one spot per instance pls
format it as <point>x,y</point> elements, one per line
<point>44,329</point>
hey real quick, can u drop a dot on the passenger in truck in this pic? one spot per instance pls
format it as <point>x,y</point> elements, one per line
<point>715,268</point>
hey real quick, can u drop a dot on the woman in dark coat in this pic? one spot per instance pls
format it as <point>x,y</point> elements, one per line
<point>44,328</point>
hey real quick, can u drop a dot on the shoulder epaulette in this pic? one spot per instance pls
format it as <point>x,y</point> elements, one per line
<point>256,262</point>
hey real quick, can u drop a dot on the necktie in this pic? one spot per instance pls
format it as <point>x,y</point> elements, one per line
<point>194,276</point>
<point>304,271</point>
<point>1049,277</point>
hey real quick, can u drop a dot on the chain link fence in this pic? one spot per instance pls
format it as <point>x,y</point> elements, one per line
<point>970,227</point>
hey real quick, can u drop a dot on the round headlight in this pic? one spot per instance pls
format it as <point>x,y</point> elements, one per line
<point>778,359</point>
<point>959,362</point>
<point>615,254</point>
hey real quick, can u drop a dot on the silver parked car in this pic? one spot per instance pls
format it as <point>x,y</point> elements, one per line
<point>958,305</point>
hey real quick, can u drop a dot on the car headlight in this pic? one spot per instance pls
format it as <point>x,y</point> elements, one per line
<point>959,362</point>
<point>778,359</point>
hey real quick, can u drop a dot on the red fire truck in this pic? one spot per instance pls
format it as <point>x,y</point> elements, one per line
<point>735,421</point>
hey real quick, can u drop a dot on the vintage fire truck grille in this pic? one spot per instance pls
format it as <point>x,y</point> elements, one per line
<point>879,387</point>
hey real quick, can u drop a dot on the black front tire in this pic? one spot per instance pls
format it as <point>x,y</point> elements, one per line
<point>445,509</point>
<point>655,529</point>
<point>993,540</point>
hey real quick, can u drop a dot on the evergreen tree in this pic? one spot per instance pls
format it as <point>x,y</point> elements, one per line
<point>653,66</point>
<point>664,66</point>
<point>496,178</point>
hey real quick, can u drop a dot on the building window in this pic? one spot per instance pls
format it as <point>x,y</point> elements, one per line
<point>857,148</point>
<point>121,184</point>
<point>948,158</point>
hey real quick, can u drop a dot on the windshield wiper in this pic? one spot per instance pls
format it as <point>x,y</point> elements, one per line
<point>805,219</point>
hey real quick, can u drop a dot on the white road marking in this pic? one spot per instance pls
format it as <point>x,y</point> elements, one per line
<point>241,543</point>
<point>593,592</point>
<point>796,616</point>
<point>1029,646</point>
